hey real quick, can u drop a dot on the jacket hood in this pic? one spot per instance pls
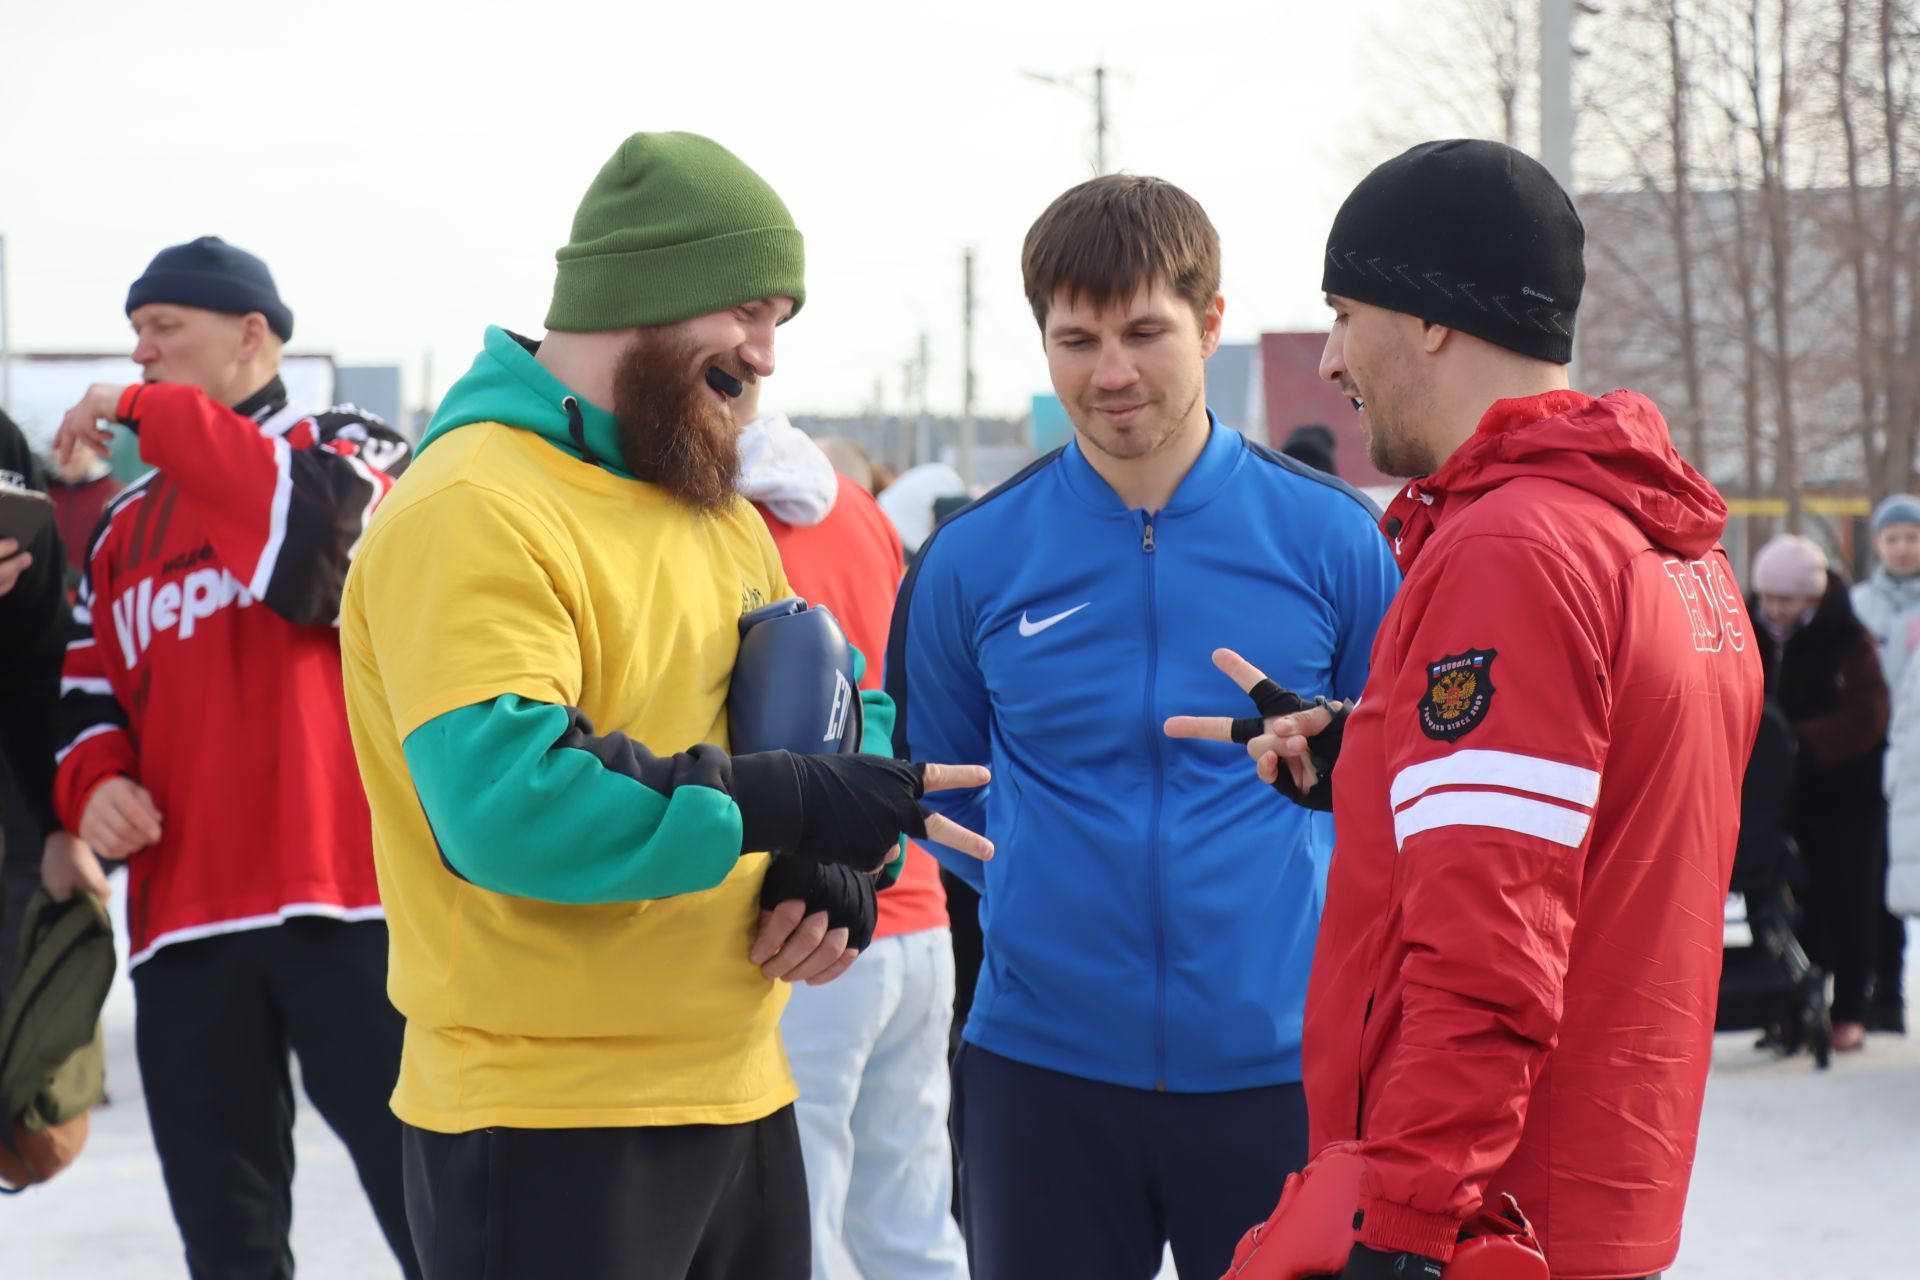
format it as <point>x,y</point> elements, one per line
<point>1616,447</point>
<point>784,470</point>
<point>507,385</point>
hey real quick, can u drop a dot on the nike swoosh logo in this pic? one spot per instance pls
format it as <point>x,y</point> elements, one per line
<point>1035,628</point>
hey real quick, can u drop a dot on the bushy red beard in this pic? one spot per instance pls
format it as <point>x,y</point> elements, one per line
<point>672,433</point>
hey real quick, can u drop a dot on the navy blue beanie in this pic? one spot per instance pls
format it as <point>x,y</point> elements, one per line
<point>211,273</point>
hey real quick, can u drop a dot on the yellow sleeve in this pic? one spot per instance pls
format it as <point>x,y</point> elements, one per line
<point>466,598</point>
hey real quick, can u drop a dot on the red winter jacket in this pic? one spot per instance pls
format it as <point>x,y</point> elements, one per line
<point>209,670</point>
<point>1537,805</point>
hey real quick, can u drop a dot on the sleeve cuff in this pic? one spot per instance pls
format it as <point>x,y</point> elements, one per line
<point>127,412</point>
<point>1399,1228</point>
<point>766,789</point>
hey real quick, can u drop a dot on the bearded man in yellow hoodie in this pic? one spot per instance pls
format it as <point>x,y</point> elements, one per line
<point>593,928</point>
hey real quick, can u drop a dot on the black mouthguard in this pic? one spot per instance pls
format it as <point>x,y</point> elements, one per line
<point>725,383</point>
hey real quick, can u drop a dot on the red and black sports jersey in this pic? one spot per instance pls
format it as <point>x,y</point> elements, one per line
<point>209,664</point>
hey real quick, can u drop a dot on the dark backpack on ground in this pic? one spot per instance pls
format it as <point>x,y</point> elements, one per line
<point>52,1063</point>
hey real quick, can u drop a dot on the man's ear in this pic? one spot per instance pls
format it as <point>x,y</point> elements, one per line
<point>1436,337</point>
<point>1212,321</point>
<point>254,334</point>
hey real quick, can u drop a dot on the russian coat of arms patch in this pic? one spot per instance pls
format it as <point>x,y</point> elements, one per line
<point>1459,692</point>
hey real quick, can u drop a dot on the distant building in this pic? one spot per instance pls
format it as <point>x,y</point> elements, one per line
<point>1235,388</point>
<point>1296,395</point>
<point>1001,445</point>
<point>373,387</point>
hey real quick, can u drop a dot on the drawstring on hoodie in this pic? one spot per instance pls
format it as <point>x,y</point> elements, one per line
<point>577,428</point>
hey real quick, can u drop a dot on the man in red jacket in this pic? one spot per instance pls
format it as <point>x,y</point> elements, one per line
<point>1537,796</point>
<point>205,741</point>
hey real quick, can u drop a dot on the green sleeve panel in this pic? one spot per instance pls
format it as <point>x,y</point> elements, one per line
<point>876,739</point>
<point>524,799</point>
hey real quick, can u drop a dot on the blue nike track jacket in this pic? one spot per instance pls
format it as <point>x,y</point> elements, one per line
<point>1151,910</point>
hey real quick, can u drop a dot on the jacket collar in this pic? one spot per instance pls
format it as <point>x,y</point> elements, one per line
<point>1210,471</point>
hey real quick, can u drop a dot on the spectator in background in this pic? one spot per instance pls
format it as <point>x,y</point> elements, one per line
<point>850,460</point>
<point>1888,603</point>
<point>1822,671</point>
<point>869,1052</point>
<point>205,741</point>
<point>908,500</point>
<point>81,489</point>
<point>1312,443</point>
<point>1903,799</point>
<point>33,640</point>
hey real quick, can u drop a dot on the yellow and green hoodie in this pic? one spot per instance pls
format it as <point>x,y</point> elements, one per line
<point>537,649</point>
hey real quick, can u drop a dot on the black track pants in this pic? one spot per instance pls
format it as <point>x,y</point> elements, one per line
<point>215,1021</point>
<point>683,1202</point>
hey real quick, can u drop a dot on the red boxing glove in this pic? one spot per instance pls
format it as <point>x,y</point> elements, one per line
<point>1312,1231</point>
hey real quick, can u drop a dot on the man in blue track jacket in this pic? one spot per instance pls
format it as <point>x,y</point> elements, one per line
<point>1131,1067</point>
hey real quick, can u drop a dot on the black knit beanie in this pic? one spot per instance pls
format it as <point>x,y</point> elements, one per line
<point>211,274</point>
<point>1473,235</point>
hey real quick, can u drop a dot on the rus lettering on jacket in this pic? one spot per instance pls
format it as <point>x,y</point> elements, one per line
<point>1713,606</point>
<point>143,610</point>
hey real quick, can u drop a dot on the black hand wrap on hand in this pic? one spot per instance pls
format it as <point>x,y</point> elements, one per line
<point>848,809</point>
<point>1370,1264</point>
<point>1323,749</point>
<point>846,895</point>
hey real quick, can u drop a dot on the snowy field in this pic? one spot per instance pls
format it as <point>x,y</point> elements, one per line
<point>1802,1175</point>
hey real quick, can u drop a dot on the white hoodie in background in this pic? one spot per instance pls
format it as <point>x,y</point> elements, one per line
<point>782,469</point>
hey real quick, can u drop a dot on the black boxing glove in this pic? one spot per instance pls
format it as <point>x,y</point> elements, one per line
<point>848,810</point>
<point>846,895</point>
<point>1323,749</point>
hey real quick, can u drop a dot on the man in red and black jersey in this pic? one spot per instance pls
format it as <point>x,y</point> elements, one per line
<point>205,742</point>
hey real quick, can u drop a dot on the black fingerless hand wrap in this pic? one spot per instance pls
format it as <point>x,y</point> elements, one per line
<point>1323,749</point>
<point>846,895</point>
<point>1370,1264</point>
<point>848,809</point>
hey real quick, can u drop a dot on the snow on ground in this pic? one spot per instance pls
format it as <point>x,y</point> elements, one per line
<point>1802,1175</point>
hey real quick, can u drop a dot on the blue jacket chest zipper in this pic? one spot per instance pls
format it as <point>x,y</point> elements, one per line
<point>1155,895</point>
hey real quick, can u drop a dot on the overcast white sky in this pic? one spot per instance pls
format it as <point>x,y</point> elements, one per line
<point>407,170</point>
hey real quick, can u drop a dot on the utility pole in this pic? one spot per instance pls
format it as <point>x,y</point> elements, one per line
<point>1099,120</point>
<point>1097,95</point>
<point>922,425</point>
<point>1556,90</point>
<point>909,433</point>
<point>1556,102</point>
<point>967,425</point>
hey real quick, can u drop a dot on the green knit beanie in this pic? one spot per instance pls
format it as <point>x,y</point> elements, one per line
<point>674,226</point>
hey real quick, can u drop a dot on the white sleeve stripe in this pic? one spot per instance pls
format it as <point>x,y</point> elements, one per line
<point>83,615</point>
<point>61,755</point>
<point>276,520</point>
<point>1497,769</point>
<point>84,684</point>
<point>85,642</point>
<point>1494,809</point>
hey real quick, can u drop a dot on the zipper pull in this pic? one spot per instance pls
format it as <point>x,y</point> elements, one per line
<point>1146,538</point>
